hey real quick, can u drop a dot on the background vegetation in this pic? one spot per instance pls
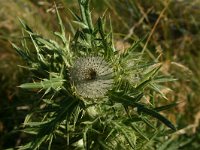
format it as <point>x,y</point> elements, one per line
<point>174,35</point>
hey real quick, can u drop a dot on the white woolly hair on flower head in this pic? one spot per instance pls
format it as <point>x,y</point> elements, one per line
<point>92,76</point>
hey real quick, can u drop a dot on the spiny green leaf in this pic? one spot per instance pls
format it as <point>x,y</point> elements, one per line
<point>136,44</point>
<point>25,26</point>
<point>166,107</point>
<point>24,147</point>
<point>30,130</point>
<point>38,50</point>
<point>161,79</point>
<point>77,18</point>
<point>32,124</point>
<point>151,72</point>
<point>62,27</point>
<point>153,113</point>
<point>55,83</point>
<point>22,53</point>
<point>80,24</point>
<point>142,85</point>
<point>50,44</point>
<point>126,100</point>
<point>156,88</point>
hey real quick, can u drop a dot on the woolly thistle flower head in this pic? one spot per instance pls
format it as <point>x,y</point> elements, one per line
<point>91,76</point>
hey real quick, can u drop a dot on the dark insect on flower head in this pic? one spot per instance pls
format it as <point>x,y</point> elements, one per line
<point>91,76</point>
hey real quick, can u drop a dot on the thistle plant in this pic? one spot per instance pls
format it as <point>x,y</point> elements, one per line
<point>88,95</point>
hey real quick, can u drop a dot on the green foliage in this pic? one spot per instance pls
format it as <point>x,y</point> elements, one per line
<point>119,120</point>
